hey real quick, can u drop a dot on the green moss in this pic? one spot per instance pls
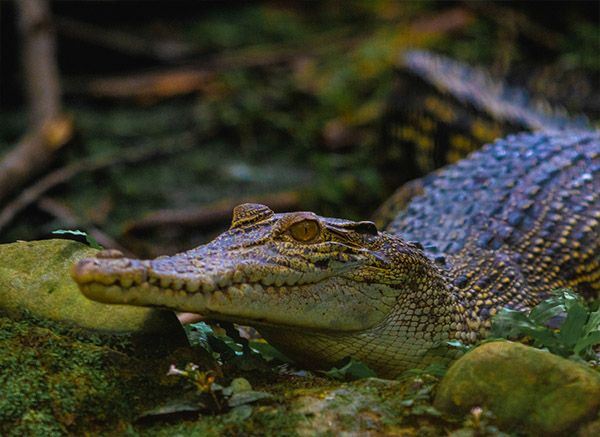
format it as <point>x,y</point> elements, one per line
<point>264,421</point>
<point>35,278</point>
<point>53,384</point>
<point>60,380</point>
<point>526,389</point>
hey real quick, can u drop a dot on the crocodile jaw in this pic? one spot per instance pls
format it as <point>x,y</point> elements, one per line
<point>313,302</point>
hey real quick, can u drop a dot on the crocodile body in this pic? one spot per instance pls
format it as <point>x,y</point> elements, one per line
<point>500,228</point>
<point>442,109</point>
<point>515,220</point>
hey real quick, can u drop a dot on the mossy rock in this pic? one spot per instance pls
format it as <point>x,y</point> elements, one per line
<point>54,382</point>
<point>527,389</point>
<point>35,279</point>
<point>73,366</point>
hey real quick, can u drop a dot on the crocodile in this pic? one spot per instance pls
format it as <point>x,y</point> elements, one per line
<point>442,109</point>
<point>499,229</point>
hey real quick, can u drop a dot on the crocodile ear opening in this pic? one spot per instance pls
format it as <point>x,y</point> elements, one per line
<point>249,213</point>
<point>368,228</point>
<point>365,228</point>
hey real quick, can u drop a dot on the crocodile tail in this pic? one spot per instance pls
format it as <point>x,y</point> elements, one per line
<point>476,87</point>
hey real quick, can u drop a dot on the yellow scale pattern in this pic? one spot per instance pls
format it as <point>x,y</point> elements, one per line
<point>514,221</point>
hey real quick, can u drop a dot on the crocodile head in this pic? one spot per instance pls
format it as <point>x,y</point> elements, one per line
<point>295,273</point>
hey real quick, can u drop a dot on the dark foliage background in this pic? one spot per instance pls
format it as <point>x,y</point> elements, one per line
<point>183,109</point>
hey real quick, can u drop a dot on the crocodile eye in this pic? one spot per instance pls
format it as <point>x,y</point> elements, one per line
<point>305,230</point>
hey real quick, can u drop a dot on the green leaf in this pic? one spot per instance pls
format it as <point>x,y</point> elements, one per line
<point>239,385</point>
<point>544,312</point>
<point>437,370</point>
<point>457,344</point>
<point>593,323</point>
<point>425,410</point>
<point>268,352</point>
<point>577,333</point>
<point>172,407</point>
<point>572,329</point>
<point>510,323</point>
<point>93,243</point>
<point>238,414</point>
<point>247,397</point>
<point>352,369</point>
<point>198,334</point>
<point>591,339</point>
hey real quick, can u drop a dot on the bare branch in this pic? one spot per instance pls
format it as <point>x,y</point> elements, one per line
<point>39,61</point>
<point>212,213</point>
<point>64,174</point>
<point>124,42</point>
<point>49,130</point>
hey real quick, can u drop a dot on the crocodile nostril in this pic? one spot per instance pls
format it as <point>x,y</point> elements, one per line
<point>109,254</point>
<point>82,271</point>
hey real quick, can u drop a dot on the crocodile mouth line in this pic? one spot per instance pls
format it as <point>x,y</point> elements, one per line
<point>181,297</point>
<point>209,304</point>
<point>205,286</point>
<point>126,288</point>
<point>142,274</point>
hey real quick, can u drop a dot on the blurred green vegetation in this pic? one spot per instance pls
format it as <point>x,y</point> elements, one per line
<point>294,101</point>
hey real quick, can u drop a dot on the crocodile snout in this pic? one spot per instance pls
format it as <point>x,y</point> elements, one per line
<point>107,269</point>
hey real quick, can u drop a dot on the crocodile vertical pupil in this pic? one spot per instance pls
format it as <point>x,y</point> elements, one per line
<point>306,230</point>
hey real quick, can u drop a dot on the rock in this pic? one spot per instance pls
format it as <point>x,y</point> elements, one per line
<point>527,389</point>
<point>34,279</point>
<point>57,381</point>
<point>73,366</point>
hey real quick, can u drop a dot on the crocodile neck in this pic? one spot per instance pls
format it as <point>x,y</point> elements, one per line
<point>426,315</point>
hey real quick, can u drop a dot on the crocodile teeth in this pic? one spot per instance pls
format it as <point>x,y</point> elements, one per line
<point>177,284</point>
<point>126,282</point>
<point>223,281</point>
<point>247,288</point>
<point>218,296</point>
<point>292,278</point>
<point>106,280</point>
<point>192,285</point>
<point>208,285</point>
<point>268,280</point>
<point>238,277</point>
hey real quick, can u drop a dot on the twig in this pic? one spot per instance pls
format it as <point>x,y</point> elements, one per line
<point>33,153</point>
<point>506,16</point>
<point>62,175</point>
<point>442,22</point>
<point>70,219</point>
<point>151,85</point>
<point>124,42</point>
<point>211,214</point>
<point>187,318</point>
<point>49,130</point>
<point>183,80</point>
